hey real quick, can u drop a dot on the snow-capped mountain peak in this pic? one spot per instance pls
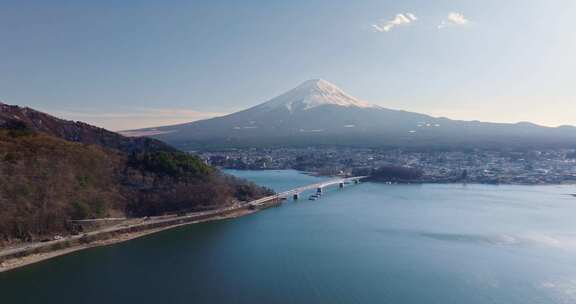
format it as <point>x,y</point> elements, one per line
<point>319,113</point>
<point>314,93</point>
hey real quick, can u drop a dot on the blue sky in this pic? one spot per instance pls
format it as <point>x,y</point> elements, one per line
<point>128,64</point>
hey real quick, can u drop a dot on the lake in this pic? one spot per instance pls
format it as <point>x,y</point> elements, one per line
<point>367,243</point>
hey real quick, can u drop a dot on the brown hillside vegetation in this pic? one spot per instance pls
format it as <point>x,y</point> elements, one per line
<point>46,181</point>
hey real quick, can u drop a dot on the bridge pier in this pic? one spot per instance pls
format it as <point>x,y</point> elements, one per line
<point>296,196</point>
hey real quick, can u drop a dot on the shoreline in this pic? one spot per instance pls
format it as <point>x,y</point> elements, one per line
<point>422,181</point>
<point>36,253</point>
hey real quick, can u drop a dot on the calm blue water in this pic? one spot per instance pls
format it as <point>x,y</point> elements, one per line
<point>370,243</point>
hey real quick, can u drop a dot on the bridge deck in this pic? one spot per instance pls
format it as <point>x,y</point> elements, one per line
<point>305,188</point>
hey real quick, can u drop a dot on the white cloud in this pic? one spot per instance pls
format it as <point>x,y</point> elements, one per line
<point>399,20</point>
<point>454,19</point>
<point>135,118</point>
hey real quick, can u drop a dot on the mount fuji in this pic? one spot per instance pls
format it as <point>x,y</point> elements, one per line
<point>319,113</point>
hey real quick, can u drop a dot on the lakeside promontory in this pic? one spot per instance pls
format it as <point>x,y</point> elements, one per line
<point>55,173</point>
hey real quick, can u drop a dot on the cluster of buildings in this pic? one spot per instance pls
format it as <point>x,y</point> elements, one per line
<point>473,166</point>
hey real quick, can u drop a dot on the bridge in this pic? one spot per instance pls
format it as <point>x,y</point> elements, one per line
<point>319,187</point>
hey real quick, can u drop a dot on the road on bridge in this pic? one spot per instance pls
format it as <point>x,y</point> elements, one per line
<point>299,190</point>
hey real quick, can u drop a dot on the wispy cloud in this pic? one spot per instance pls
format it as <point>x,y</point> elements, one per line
<point>400,20</point>
<point>454,19</point>
<point>135,118</point>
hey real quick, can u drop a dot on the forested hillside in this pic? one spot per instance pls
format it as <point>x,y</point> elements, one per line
<point>46,181</point>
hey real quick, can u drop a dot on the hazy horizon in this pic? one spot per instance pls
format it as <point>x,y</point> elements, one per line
<point>126,66</point>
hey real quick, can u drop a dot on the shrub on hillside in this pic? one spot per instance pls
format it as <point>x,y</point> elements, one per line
<point>174,164</point>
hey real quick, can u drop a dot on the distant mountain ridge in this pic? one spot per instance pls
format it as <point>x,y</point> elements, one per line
<point>319,113</point>
<point>76,131</point>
